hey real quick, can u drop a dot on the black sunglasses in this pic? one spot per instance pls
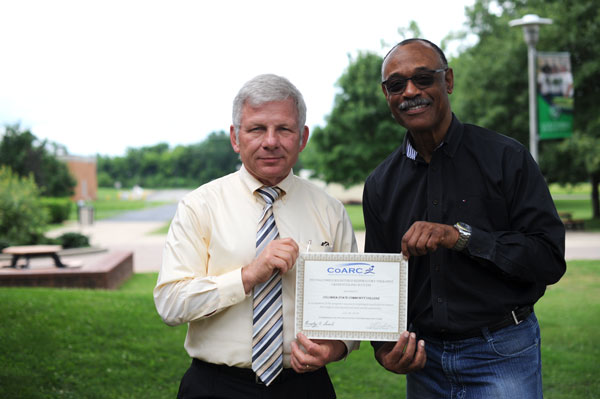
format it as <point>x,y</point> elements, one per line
<point>397,85</point>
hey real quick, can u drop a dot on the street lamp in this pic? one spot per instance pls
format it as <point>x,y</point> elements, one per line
<point>531,27</point>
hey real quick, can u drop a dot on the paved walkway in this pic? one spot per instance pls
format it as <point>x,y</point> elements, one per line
<point>135,231</point>
<point>137,236</point>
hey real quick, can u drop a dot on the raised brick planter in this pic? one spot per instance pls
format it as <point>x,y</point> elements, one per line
<point>104,272</point>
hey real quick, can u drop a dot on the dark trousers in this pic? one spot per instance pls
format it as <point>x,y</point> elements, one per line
<point>206,380</point>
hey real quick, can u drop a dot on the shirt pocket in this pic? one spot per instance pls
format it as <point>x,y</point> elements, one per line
<point>489,214</point>
<point>315,246</point>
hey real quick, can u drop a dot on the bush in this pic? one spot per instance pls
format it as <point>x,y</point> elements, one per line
<point>73,240</point>
<point>23,219</point>
<point>4,243</point>
<point>59,208</point>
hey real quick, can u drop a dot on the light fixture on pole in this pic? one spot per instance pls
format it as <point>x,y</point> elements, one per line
<point>531,27</point>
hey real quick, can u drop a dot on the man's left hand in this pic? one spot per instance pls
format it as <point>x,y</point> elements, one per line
<point>317,353</point>
<point>404,356</point>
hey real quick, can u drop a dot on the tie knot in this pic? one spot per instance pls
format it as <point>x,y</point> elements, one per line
<point>269,194</point>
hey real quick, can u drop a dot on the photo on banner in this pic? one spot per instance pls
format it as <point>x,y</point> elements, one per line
<point>555,95</point>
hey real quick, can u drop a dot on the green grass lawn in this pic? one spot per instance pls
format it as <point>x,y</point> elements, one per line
<point>567,189</point>
<point>579,208</point>
<point>72,343</point>
<point>111,202</point>
<point>356,216</point>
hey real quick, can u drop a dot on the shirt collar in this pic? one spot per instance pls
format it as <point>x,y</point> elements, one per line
<point>450,141</point>
<point>253,184</point>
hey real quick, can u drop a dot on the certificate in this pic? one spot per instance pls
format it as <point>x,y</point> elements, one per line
<point>351,296</point>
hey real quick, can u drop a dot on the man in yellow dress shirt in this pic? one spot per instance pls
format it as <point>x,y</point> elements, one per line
<point>210,263</point>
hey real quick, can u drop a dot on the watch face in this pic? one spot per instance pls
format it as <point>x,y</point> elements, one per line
<point>463,227</point>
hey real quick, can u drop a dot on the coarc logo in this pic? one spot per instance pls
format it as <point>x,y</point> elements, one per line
<point>352,268</point>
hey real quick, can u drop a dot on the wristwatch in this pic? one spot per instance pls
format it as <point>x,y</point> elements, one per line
<point>464,231</point>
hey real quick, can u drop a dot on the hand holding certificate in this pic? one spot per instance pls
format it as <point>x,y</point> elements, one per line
<point>351,296</point>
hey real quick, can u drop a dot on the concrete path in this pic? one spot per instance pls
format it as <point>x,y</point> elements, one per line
<point>137,236</point>
<point>135,231</point>
<point>581,245</point>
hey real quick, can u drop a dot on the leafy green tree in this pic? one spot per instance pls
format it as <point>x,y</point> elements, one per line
<point>23,218</point>
<point>491,90</point>
<point>491,80</point>
<point>360,131</point>
<point>161,166</point>
<point>25,154</point>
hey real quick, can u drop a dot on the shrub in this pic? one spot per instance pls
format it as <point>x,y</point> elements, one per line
<point>59,208</point>
<point>4,243</point>
<point>73,240</point>
<point>23,219</point>
<point>48,241</point>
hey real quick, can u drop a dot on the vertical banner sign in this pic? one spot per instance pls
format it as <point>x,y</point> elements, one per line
<point>555,95</point>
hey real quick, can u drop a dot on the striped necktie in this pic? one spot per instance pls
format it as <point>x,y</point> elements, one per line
<point>267,331</point>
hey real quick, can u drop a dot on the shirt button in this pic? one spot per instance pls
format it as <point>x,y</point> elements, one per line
<point>435,202</point>
<point>440,300</point>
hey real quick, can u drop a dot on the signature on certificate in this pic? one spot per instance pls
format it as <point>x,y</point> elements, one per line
<point>318,323</point>
<point>379,325</point>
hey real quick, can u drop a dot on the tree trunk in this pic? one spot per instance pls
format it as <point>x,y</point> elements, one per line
<point>595,198</point>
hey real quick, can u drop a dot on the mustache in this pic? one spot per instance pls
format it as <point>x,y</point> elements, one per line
<point>413,103</point>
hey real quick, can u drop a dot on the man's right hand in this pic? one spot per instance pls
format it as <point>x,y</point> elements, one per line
<point>425,237</point>
<point>280,254</point>
<point>404,356</point>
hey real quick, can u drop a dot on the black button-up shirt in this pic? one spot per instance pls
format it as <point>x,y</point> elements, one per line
<point>490,182</point>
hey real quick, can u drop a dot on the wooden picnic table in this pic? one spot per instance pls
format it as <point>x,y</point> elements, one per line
<point>569,222</point>
<point>33,251</point>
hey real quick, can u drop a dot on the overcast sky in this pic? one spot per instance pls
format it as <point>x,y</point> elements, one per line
<point>102,76</point>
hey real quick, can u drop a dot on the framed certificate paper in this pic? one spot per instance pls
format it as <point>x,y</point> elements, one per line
<point>351,296</point>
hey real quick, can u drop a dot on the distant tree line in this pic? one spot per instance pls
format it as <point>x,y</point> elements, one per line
<point>160,166</point>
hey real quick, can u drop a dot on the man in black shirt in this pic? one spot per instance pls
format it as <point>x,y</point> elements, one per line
<point>471,210</point>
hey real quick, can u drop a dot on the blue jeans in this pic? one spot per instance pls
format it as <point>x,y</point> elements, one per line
<point>504,364</point>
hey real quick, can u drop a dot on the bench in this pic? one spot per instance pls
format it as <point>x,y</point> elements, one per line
<point>569,222</point>
<point>33,251</point>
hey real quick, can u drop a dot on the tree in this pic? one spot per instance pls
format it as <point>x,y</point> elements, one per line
<point>22,216</point>
<point>491,80</point>
<point>25,154</point>
<point>161,166</point>
<point>360,131</point>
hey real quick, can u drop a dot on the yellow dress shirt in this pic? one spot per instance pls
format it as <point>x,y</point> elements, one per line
<point>213,235</point>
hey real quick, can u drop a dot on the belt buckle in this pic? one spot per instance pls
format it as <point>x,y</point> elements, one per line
<point>517,321</point>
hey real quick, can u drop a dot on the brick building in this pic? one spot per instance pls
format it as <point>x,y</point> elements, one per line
<point>83,170</point>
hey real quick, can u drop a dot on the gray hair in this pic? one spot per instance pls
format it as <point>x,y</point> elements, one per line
<point>263,89</point>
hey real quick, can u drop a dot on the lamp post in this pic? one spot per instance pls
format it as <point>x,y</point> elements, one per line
<point>531,27</point>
